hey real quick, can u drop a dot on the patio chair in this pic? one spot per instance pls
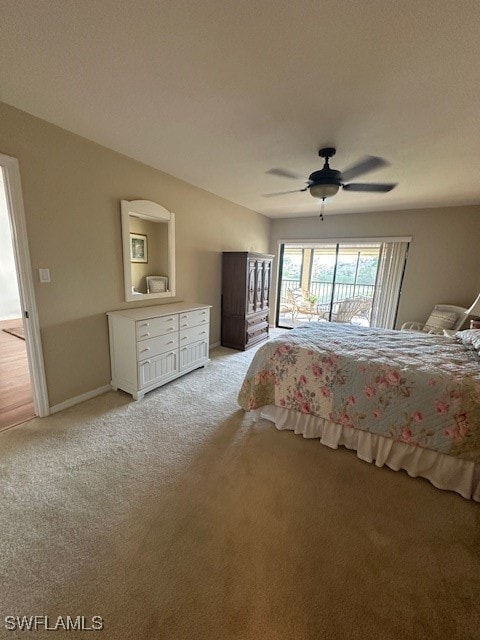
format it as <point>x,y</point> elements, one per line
<point>347,309</point>
<point>288,304</point>
<point>305,303</point>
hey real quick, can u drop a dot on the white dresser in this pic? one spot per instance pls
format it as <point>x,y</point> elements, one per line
<point>149,346</point>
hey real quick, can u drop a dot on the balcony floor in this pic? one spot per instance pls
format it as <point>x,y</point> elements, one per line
<point>285,320</point>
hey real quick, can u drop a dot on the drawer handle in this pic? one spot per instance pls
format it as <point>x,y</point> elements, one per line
<point>185,338</point>
<point>202,332</point>
<point>145,324</point>
<point>146,349</point>
<point>171,329</point>
<point>185,324</point>
<point>170,341</point>
<point>147,362</point>
<point>145,335</point>
<point>171,319</point>
<point>184,315</point>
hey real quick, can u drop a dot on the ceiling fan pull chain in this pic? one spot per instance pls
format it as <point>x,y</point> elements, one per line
<point>322,209</point>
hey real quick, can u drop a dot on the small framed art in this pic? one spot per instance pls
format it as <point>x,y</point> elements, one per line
<point>138,247</point>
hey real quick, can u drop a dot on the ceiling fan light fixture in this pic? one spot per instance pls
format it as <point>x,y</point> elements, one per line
<point>323,190</point>
<point>326,182</point>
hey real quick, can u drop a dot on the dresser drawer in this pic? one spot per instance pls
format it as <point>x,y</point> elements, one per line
<point>255,321</point>
<point>260,326</point>
<point>156,327</point>
<point>154,346</point>
<point>257,334</point>
<point>157,369</point>
<point>194,318</point>
<point>194,354</point>
<point>193,334</point>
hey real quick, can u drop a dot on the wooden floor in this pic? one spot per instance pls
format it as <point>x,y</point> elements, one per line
<point>16,402</point>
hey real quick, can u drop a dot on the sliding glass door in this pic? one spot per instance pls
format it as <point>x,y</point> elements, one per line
<point>349,281</point>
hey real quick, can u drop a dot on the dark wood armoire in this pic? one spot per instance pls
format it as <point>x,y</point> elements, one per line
<point>245,298</point>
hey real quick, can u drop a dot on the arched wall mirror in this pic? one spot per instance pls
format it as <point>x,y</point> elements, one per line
<point>148,235</point>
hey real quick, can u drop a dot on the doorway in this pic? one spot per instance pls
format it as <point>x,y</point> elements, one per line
<point>23,392</point>
<point>16,395</point>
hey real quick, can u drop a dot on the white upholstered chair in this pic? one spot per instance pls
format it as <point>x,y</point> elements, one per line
<point>443,317</point>
<point>157,284</point>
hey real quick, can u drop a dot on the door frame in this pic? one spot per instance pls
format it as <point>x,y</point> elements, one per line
<point>16,213</point>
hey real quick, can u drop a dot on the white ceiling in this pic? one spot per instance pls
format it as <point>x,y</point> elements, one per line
<point>218,92</point>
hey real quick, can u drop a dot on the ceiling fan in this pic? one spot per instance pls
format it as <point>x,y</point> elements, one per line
<point>326,182</point>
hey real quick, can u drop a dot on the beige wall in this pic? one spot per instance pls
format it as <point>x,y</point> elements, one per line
<point>72,190</point>
<point>442,262</point>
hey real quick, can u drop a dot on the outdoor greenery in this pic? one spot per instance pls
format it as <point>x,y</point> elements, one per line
<point>292,266</point>
<point>323,268</point>
<point>346,269</point>
<point>312,298</point>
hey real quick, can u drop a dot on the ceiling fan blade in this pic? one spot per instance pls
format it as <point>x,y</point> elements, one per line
<point>368,163</point>
<point>284,173</point>
<point>281,193</point>
<point>379,188</point>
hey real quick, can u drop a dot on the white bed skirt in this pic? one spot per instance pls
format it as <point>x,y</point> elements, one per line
<point>443,471</point>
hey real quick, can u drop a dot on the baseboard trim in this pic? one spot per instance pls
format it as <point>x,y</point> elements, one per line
<point>214,344</point>
<point>77,399</point>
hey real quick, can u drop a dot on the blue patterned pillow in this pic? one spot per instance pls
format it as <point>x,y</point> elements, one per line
<point>469,337</point>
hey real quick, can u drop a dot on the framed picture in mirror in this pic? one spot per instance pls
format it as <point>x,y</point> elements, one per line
<point>138,248</point>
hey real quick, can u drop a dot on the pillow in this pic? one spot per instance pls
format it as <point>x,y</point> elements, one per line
<point>440,320</point>
<point>469,337</point>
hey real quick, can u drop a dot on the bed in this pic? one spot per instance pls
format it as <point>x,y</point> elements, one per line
<point>406,400</point>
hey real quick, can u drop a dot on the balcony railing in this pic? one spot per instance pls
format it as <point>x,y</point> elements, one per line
<point>324,290</point>
<point>288,284</point>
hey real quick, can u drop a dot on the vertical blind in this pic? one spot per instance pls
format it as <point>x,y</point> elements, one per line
<point>389,280</point>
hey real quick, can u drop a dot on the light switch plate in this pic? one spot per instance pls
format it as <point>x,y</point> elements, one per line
<point>44,275</point>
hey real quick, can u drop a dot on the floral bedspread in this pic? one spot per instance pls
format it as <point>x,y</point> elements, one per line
<point>419,389</point>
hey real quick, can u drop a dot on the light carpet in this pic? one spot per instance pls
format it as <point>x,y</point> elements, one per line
<point>178,518</point>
